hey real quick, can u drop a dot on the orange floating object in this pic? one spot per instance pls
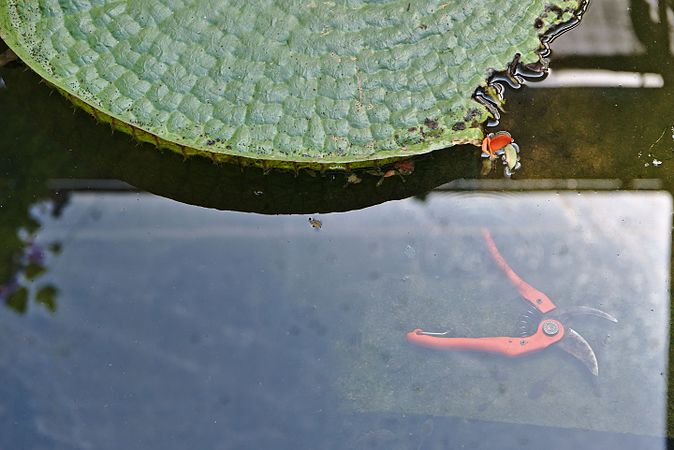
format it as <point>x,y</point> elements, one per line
<point>486,150</point>
<point>500,140</point>
<point>492,143</point>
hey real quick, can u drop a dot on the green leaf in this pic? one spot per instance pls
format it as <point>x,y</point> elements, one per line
<point>46,296</point>
<point>55,248</point>
<point>33,270</point>
<point>308,82</point>
<point>18,300</point>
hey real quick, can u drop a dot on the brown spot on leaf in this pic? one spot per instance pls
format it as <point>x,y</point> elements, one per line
<point>431,123</point>
<point>473,112</point>
<point>555,9</point>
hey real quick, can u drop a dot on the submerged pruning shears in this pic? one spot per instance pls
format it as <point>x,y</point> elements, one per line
<point>550,329</point>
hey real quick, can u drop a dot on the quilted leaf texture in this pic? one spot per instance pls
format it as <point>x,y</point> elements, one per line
<point>282,81</point>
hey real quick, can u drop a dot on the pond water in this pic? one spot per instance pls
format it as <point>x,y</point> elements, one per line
<point>156,303</point>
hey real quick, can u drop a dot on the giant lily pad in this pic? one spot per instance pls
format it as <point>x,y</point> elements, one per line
<point>285,82</point>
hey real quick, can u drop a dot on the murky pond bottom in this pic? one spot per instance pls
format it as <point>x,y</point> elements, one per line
<point>179,326</point>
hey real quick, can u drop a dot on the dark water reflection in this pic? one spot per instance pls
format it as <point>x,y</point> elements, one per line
<point>173,326</point>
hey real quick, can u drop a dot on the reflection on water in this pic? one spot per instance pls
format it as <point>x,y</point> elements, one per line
<point>608,29</point>
<point>178,324</point>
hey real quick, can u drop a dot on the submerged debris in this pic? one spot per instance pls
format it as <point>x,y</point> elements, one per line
<point>353,179</point>
<point>404,167</point>
<point>401,168</point>
<point>315,223</point>
<point>487,167</point>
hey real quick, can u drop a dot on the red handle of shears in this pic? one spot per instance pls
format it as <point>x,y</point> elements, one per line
<point>540,301</point>
<point>508,346</point>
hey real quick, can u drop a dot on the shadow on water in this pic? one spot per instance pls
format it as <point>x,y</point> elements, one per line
<point>79,148</point>
<point>601,124</point>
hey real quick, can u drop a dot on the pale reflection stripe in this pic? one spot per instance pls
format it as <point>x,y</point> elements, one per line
<point>567,78</point>
<point>532,185</point>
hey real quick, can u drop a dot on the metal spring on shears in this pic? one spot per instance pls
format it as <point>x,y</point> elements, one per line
<point>527,321</point>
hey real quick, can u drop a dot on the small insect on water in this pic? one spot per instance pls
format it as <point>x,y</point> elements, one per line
<point>315,223</point>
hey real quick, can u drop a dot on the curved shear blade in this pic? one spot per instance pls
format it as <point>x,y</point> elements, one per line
<point>576,345</point>
<point>583,311</point>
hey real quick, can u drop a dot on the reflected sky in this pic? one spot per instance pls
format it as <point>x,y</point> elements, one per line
<point>572,78</point>
<point>615,42</point>
<point>188,326</point>
<point>607,30</point>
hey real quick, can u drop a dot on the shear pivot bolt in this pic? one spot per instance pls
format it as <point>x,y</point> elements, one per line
<point>550,328</point>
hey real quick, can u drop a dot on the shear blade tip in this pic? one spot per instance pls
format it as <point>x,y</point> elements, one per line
<point>576,345</point>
